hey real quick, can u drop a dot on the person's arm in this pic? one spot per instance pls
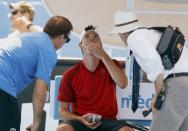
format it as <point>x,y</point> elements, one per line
<point>65,114</point>
<point>39,97</point>
<point>117,74</point>
<point>24,25</point>
<point>158,83</point>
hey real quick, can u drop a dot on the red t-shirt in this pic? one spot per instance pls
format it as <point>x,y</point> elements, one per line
<point>89,92</point>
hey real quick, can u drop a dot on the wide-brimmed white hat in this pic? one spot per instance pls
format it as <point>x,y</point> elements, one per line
<point>125,22</point>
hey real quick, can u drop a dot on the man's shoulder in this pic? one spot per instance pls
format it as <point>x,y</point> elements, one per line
<point>32,35</point>
<point>41,40</point>
<point>140,31</point>
<point>145,30</point>
<point>143,33</point>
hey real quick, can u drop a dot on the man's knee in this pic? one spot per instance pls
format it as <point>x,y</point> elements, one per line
<point>64,127</point>
<point>126,129</point>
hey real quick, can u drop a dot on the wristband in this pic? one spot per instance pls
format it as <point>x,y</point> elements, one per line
<point>29,25</point>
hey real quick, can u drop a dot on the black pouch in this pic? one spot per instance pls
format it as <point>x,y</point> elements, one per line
<point>160,98</point>
<point>170,45</point>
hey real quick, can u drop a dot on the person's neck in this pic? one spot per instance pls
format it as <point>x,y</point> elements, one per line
<point>54,42</point>
<point>91,62</point>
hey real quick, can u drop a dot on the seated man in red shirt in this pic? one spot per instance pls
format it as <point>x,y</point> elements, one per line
<point>90,86</point>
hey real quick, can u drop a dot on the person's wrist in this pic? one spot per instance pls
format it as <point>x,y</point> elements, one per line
<point>36,126</point>
<point>80,119</point>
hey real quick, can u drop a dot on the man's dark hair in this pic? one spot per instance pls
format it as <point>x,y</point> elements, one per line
<point>90,28</point>
<point>58,25</point>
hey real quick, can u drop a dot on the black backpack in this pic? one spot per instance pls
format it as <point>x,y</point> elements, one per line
<point>170,45</point>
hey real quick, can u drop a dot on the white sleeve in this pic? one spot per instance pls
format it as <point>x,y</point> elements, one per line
<point>146,55</point>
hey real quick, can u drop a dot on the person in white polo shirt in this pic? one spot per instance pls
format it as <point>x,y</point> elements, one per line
<point>21,18</point>
<point>173,116</point>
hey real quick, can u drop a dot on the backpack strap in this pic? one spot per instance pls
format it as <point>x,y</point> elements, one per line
<point>161,29</point>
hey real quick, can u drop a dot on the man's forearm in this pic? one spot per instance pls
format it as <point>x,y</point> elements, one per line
<point>116,73</point>
<point>39,98</point>
<point>67,115</point>
<point>159,83</point>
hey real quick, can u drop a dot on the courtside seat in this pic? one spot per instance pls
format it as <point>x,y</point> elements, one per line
<point>53,98</point>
